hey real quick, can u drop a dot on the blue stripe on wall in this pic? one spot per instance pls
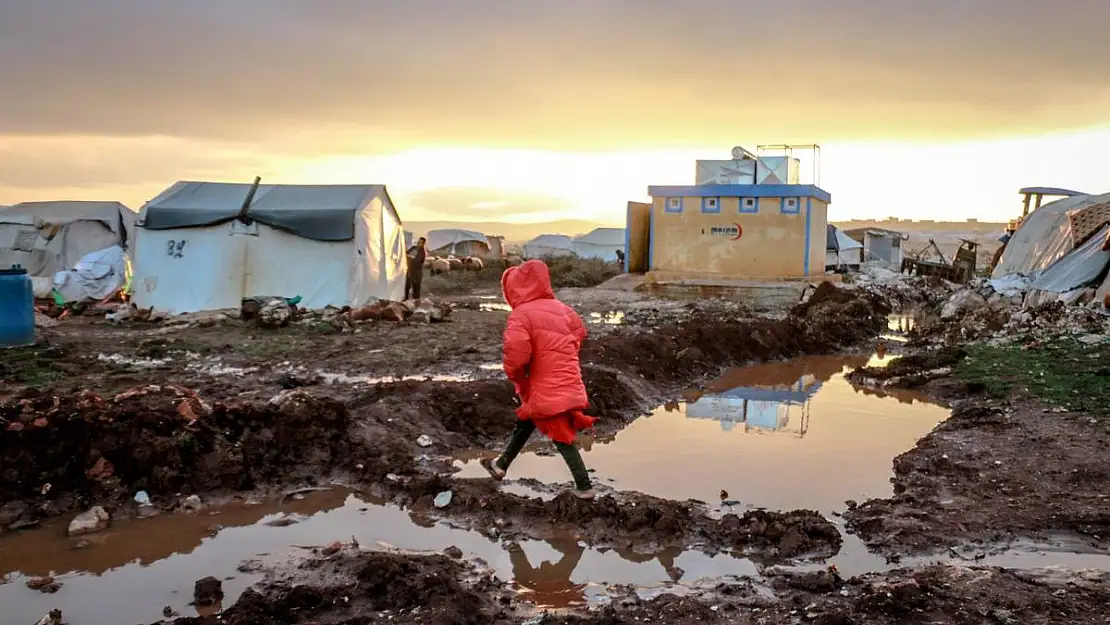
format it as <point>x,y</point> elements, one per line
<point>651,237</point>
<point>809,211</point>
<point>627,231</point>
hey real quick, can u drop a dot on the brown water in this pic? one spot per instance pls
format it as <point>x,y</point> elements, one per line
<point>128,573</point>
<point>780,436</point>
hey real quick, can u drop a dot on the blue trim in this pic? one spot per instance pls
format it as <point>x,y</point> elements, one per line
<point>791,211</point>
<point>705,208</point>
<point>627,234</point>
<point>667,205</point>
<point>809,212</point>
<point>743,190</point>
<point>749,211</point>
<point>651,239</point>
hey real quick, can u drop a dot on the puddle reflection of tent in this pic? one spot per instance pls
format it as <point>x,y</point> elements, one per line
<point>760,407</point>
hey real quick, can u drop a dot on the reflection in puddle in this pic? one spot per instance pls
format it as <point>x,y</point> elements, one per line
<point>613,317</point>
<point>129,572</point>
<point>781,436</point>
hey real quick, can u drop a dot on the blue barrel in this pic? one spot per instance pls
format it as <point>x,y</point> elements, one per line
<point>17,308</point>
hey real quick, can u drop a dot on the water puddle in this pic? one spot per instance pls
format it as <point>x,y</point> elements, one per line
<point>613,317</point>
<point>779,436</point>
<point>131,571</point>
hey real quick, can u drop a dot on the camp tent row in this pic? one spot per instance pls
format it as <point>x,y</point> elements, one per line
<point>1059,250</point>
<point>600,243</point>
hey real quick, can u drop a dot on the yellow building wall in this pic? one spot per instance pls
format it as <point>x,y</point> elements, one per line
<point>772,244</point>
<point>638,224</point>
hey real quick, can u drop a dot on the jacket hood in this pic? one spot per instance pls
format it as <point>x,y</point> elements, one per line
<point>528,282</point>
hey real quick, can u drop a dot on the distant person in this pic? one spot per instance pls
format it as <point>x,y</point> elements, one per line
<point>620,256</point>
<point>415,271</point>
<point>540,357</point>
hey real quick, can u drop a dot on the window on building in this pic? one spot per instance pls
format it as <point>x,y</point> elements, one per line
<point>711,205</point>
<point>790,205</point>
<point>673,205</point>
<point>749,205</point>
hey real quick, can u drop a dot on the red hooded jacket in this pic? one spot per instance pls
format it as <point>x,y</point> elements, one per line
<point>541,344</point>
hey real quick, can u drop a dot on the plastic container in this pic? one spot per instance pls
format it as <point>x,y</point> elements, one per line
<point>17,308</point>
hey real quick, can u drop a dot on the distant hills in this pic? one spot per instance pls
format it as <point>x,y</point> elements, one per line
<point>513,233</point>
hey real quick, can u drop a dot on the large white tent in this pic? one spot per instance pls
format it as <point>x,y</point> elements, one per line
<point>48,237</point>
<point>332,245</point>
<point>600,243</point>
<point>457,242</point>
<point>549,245</point>
<point>1044,236</point>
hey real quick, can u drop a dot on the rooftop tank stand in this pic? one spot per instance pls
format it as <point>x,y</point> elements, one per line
<point>787,150</point>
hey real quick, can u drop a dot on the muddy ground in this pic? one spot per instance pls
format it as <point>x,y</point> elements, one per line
<point>353,586</point>
<point>1023,457</point>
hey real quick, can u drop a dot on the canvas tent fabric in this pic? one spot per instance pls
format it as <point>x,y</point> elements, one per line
<point>600,243</point>
<point>1043,237</point>
<point>457,242</point>
<point>549,245</point>
<point>319,212</point>
<point>294,246</point>
<point>48,237</point>
<point>94,277</point>
<point>840,249</point>
<point>1080,268</point>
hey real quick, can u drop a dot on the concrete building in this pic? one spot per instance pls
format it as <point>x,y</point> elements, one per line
<point>731,231</point>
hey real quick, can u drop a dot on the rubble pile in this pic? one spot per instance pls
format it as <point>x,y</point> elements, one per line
<point>901,290</point>
<point>1002,312</point>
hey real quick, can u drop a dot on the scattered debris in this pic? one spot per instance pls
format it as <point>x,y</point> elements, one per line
<point>192,503</point>
<point>89,522</point>
<point>142,498</point>
<point>208,591</point>
<point>424,440</point>
<point>45,585</point>
<point>443,499</point>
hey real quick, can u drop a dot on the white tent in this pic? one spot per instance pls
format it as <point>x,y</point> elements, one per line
<point>1043,237</point>
<point>329,244</point>
<point>549,245</point>
<point>841,249</point>
<point>48,237</point>
<point>457,242</point>
<point>600,243</point>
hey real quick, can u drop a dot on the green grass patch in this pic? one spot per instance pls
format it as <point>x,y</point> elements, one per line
<point>33,366</point>
<point>1064,373</point>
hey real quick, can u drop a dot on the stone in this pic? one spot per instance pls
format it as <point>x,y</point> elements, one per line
<point>208,591</point>
<point>89,522</point>
<point>192,503</point>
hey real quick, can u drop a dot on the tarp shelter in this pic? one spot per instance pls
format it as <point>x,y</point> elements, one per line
<point>600,243</point>
<point>840,249</point>
<point>1043,237</point>
<point>549,245</point>
<point>332,245</point>
<point>457,242</point>
<point>49,237</point>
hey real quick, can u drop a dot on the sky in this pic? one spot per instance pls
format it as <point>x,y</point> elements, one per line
<point>514,110</point>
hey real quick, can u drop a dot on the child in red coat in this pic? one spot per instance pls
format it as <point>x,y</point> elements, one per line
<point>541,344</point>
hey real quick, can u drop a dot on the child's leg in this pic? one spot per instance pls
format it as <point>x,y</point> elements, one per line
<point>577,467</point>
<point>523,430</point>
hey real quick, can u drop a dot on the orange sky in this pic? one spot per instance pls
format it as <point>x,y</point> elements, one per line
<point>499,109</point>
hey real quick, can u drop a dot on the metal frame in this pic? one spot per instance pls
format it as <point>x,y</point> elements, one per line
<point>788,151</point>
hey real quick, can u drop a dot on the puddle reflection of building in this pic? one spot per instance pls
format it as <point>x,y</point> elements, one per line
<point>765,397</point>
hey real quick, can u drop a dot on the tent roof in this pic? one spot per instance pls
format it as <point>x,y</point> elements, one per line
<point>611,237</point>
<point>1043,237</point>
<point>448,236</point>
<point>1051,191</point>
<point>836,240</point>
<point>118,217</point>
<point>551,240</point>
<point>320,212</point>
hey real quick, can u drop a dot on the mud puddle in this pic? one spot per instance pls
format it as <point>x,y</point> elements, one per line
<point>131,571</point>
<point>783,436</point>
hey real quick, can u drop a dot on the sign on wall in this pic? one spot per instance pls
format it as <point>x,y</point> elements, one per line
<point>733,231</point>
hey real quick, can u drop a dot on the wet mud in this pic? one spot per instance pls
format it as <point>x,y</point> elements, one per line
<point>998,471</point>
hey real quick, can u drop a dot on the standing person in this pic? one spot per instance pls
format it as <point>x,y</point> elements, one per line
<point>540,357</point>
<point>414,272</point>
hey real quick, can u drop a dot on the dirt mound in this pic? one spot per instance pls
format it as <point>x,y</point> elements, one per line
<point>166,440</point>
<point>626,519</point>
<point>911,371</point>
<point>360,587</point>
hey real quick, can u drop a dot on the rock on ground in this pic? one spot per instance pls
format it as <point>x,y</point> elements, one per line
<point>89,522</point>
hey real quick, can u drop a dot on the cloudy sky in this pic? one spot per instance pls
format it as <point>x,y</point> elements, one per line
<point>530,109</point>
